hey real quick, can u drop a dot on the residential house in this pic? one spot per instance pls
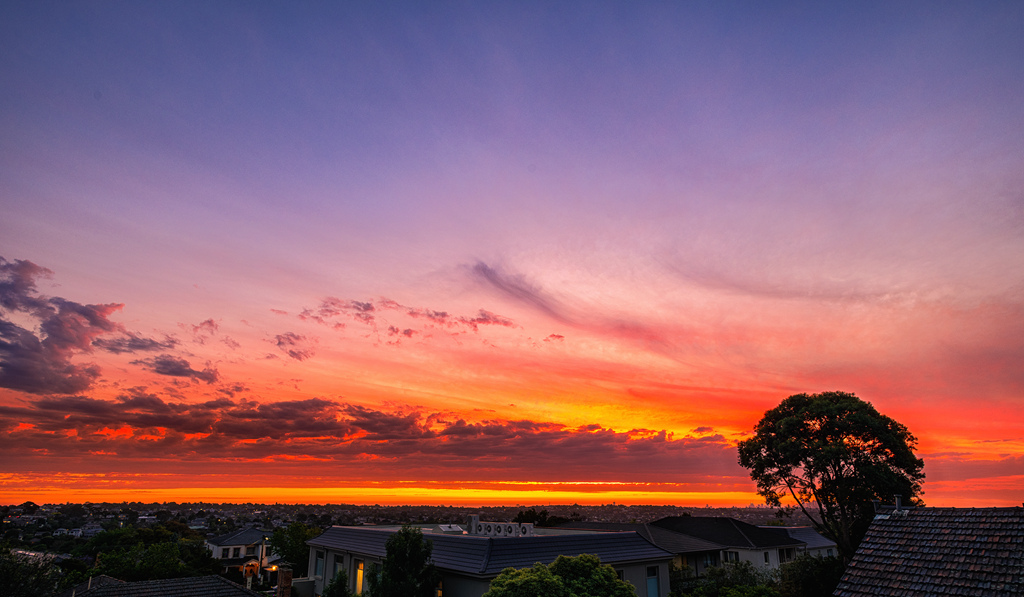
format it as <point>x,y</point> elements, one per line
<point>815,544</point>
<point>739,541</point>
<point>692,552</point>
<point>468,562</point>
<point>918,552</point>
<point>248,547</point>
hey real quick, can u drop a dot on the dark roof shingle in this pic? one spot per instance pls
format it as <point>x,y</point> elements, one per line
<point>199,586</point>
<point>727,532</point>
<point>491,555</point>
<point>939,551</point>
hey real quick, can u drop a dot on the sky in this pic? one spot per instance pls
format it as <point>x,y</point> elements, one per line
<point>501,252</point>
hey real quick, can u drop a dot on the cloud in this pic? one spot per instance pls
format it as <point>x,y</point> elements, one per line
<point>517,288</point>
<point>398,319</point>
<point>41,363</point>
<point>130,342</point>
<point>172,366</point>
<point>202,331</point>
<point>294,345</point>
<point>407,440</point>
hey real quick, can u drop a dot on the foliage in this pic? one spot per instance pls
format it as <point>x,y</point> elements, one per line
<point>26,577</point>
<point>338,586</point>
<point>585,576</point>
<point>538,581</point>
<point>833,454</point>
<point>580,576</point>
<point>734,579</point>
<point>290,543</point>
<point>407,570</point>
<point>160,560</point>
<point>809,576</point>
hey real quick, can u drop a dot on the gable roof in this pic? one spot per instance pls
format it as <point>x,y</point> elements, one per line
<point>666,539</point>
<point>727,532</point>
<point>199,586</point>
<point>939,551</point>
<point>808,535</point>
<point>490,555</point>
<point>246,536</point>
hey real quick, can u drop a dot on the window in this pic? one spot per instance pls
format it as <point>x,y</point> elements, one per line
<point>440,589</point>
<point>767,558</point>
<point>732,556</point>
<point>620,574</point>
<point>652,582</point>
<point>319,564</point>
<point>250,550</point>
<point>236,552</point>
<point>359,577</point>
<point>338,561</point>
<point>786,554</point>
<point>225,553</point>
<point>828,552</point>
<point>709,560</point>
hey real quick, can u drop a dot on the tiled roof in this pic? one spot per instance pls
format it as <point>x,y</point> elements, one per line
<point>490,555</point>
<point>668,540</point>
<point>199,586</point>
<point>246,536</point>
<point>939,551</point>
<point>727,532</point>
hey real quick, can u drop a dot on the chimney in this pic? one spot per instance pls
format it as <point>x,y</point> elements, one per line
<point>876,504</point>
<point>284,581</point>
<point>899,502</point>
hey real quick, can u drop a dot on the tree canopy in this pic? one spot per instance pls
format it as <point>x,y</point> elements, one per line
<point>579,576</point>
<point>832,454</point>
<point>407,570</point>
<point>290,543</point>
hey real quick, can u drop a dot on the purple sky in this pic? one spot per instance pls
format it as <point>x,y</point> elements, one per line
<point>655,216</point>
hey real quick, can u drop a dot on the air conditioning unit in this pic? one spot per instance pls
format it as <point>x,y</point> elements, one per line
<point>498,529</point>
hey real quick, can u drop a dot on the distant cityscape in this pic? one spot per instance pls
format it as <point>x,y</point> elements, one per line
<point>31,523</point>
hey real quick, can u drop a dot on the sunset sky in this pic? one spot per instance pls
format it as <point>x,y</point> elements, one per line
<point>501,252</point>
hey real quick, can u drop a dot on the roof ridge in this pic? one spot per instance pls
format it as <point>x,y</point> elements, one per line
<point>487,555</point>
<point>733,522</point>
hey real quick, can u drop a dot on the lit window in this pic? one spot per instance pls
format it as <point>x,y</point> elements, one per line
<point>359,577</point>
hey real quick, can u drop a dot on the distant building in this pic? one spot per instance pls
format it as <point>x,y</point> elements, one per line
<point>468,562</point>
<point>919,552</point>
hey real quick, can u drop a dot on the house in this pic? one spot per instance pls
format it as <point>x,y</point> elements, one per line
<point>814,543</point>
<point>692,552</point>
<point>237,550</point>
<point>468,562</point>
<point>914,552</point>
<point>740,541</point>
<point>198,586</point>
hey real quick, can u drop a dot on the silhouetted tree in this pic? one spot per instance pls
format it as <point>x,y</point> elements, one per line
<point>810,576</point>
<point>290,544</point>
<point>26,577</point>
<point>338,586</point>
<point>407,570</point>
<point>832,453</point>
